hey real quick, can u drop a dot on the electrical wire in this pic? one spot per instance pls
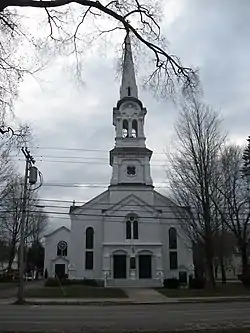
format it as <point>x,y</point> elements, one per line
<point>85,162</point>
<point>79,157</point>
<point>80,149</point>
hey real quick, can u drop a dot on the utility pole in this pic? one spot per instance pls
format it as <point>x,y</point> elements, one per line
<point>29,160</point>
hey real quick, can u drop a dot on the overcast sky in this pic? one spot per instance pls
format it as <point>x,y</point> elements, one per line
<point>210,34</point>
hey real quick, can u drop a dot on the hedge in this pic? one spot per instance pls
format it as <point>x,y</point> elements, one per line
<point>197,283</point>
<point>52,282</point>
<point>172,283</point>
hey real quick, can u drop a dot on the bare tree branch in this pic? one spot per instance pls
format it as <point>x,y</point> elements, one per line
<point>168,68</point>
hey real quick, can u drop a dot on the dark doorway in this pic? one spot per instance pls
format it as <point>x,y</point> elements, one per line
<point>145,269</point>
<point>60,270</point>
<point>120,266</point>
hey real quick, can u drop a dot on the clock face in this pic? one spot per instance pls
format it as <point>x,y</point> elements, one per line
<point>131,170</point>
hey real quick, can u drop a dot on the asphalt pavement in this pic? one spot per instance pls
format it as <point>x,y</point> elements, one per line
<point>122,318</point>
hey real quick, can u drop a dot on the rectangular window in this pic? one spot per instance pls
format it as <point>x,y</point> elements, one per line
<point>135,230</point>
<point>132,263</point>
<point>89,260</point>
<point>128,230</point>
<point>173,260</point>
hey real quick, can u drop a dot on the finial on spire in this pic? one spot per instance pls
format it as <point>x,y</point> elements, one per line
<point>128,85</point>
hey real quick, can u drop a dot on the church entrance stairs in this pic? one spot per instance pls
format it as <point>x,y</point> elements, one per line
<point>145,295</point>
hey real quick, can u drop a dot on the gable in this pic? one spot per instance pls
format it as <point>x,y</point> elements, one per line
<point>59,230</point>
<point>163,200</point>
<point>132,201</point>
<point>99,199</point>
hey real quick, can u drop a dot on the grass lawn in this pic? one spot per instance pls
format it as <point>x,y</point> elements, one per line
<point>229,289</point>
<point>8,285</point>
<point>77,291</point>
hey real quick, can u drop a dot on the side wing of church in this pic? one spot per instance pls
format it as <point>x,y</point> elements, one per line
<point>130,234</point>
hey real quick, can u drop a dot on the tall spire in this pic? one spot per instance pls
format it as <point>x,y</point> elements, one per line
<point>128,85</point>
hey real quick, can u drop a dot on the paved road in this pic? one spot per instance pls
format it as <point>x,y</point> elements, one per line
<point>119,318</point>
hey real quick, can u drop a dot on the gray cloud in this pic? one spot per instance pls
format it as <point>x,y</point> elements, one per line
<point>210,34</point>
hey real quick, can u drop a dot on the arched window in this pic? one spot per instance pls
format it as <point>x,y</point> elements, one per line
<point>125,128</point>
<point>62,249</point>
<point>128,230</point>
<point>134,129</point>
<point>132,228</point>
<point>172,238</point>
<point>89,238</point>
<point>135,229</point>
<point>89,246</point>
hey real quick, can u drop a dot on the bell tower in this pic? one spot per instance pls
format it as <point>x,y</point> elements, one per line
<point>130,159</point>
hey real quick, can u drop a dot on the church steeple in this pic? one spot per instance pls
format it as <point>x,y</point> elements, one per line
<point>130,158</point>
<point>128,84</point>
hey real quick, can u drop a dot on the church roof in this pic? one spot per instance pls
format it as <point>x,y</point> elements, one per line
<point>56,230</point>
<point>95,200</point>
<point>128,85</point>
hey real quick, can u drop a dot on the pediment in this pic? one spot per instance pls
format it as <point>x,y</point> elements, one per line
<point>132,201</point>
<point>100,199</point>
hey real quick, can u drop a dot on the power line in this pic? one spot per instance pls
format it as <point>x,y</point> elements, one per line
<point>120,218</point>
<point>85,162</point>
<point>103,203</point>
<point>80,149</point>
<point>91,186</point>
<point>107,216</point>
<point>79,157</point>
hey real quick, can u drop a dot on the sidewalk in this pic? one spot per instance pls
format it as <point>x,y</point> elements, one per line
<point>136,296</point>
<point>125,301</point>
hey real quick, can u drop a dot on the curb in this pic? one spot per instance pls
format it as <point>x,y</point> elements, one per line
<point>121,303</point>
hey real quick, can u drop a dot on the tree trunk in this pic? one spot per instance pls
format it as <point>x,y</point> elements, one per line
<point>216,266</point>
<point>210,263</point>
<point>223,270</point>
<point>209,253</point>
<point>11,258</point>
<point>244,259</point>
<point>210,274</point>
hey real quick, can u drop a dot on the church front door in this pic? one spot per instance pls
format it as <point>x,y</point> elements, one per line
<point>59,270</point>
<point>120,266</point>
<point>145,269</point>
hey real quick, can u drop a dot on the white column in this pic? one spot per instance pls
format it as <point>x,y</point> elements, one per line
<point>130,128</point>
<point>140,127</point>
<point>118,127</point>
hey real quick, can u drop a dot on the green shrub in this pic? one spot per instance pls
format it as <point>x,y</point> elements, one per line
<point>172,283</point>
<point>52,282</point>
<point>197,283</point>
<point>245,279</point>
<point>6,278</point>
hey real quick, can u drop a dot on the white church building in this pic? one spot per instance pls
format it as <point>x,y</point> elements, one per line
<point>129,235</point>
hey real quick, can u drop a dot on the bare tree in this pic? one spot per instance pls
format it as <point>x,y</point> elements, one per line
<point>192,173</point>
<point>70,23</point>
<point>11,212</point>
<point>233,202</point>
<point>37,221</point>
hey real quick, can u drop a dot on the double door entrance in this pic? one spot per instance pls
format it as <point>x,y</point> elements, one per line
<point>144,269</point>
